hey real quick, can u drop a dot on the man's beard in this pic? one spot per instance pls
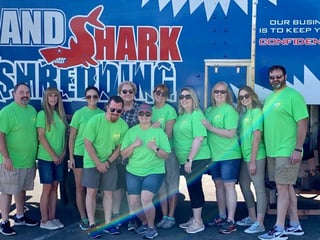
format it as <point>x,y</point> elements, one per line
<point>25,101</point>
<point>278,85</point>
<point>114,118</point>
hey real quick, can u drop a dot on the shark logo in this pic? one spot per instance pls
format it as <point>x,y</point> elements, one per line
<point>81,49</point>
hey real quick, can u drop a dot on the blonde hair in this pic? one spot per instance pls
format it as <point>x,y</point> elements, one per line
<point>195,100</point>
<point>229,93</point>
<point>58,107</point>
<point>132,84</point>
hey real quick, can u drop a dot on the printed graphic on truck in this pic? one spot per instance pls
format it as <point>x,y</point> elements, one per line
<point>196,43</point>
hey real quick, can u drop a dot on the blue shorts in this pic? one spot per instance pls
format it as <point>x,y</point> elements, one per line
<point>151,183</point>
<point>49,172</point>
<point>226,170</point>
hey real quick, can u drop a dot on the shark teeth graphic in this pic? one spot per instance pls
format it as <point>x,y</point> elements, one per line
<point>60,60</point>
<point>209,5</point>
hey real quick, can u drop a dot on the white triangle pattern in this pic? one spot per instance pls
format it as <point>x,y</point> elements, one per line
<point>209,5</point>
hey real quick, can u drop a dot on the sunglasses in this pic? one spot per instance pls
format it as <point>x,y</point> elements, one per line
<point>187,97</point>
<point>163,94</point>
<point>91,96</point>
<point>275,77</point>
<point>246,96</point>
<point>115,110</point>
<point>147,114</point>
<point>220,91</point>
<point>127,91</point>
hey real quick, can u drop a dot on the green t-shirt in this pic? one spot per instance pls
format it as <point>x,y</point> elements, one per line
<point>105,136</point>
<point>251,121</point>
<point>187,127</point>
<point>144,161</point>
<point>282,110</point>
<point>19,126</point>
<point>56,137</point>
<point>79,121</point>
<point>223,117</point>
<point>163,115</point>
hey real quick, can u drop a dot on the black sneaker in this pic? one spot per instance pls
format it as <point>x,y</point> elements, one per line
<point>6,229</point>
<point>228,227</point>
<point>25,221</point>
<point>94,232</point>
<point>132,225</point>
<point>217,222</point>
<point>296,231</point>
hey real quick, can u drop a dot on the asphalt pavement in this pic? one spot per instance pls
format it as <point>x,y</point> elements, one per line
<point>67,213</point>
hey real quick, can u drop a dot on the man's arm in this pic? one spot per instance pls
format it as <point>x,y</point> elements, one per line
<point>102,167</point>
<point>7,162</point>
<point>301,136</point>
<point>301,132</point>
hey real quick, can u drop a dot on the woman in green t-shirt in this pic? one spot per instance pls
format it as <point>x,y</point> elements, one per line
<point>254,159</point>
<point>51,128</point>
<point>146,148</point>
<point>222,124</point>
<point>76,147</point>
<point>193,153</point>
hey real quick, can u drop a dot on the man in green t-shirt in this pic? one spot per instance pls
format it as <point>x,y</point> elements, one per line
<point>18,146</point>
<point>285,124</point>
<point>102,138</point>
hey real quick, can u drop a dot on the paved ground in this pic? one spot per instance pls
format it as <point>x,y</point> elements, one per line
<point>68,215</point>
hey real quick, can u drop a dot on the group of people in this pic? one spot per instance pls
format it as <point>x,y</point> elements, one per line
<point>136,151</point>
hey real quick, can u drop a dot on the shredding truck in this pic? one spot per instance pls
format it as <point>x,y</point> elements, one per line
<point>74,44</point>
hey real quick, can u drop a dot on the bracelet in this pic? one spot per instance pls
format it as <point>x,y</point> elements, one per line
<point>157,149</point>
<point>298,150</point>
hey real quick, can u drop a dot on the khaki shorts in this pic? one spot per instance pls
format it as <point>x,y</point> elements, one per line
<point>282,171</point>
<point>17,180</point>
<point>170,184</point>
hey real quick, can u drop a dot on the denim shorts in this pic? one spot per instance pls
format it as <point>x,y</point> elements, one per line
<point>151,183</point>
<point>226,170</point>
<point>50,172</point>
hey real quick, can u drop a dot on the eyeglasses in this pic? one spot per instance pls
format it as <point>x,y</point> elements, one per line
<point>115,110</point>
<point>219,91</point>
<point>246,96</point>
<point>92,96</point>
<point>147,114</point>
<point>275,77</point>
<point>187,97</point>
<point>163,94</point>
<point>125,91</point>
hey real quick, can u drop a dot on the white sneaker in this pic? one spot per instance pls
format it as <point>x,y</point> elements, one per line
<point>187,224</point>
<point>274,234</point>
<point>49,225</point>
<point>58,223</point>
<point>195,228</point>
<point>255,228</point>
<point>247,222</point>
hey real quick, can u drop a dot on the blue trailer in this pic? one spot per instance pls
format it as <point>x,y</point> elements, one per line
<point>73,44</point>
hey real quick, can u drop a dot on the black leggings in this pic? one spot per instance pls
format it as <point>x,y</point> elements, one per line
<point>194,181</point>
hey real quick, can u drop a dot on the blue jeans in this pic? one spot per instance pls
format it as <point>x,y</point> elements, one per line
<point>49,172</point>
<point>151,183</point>
<point>226,170</point>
